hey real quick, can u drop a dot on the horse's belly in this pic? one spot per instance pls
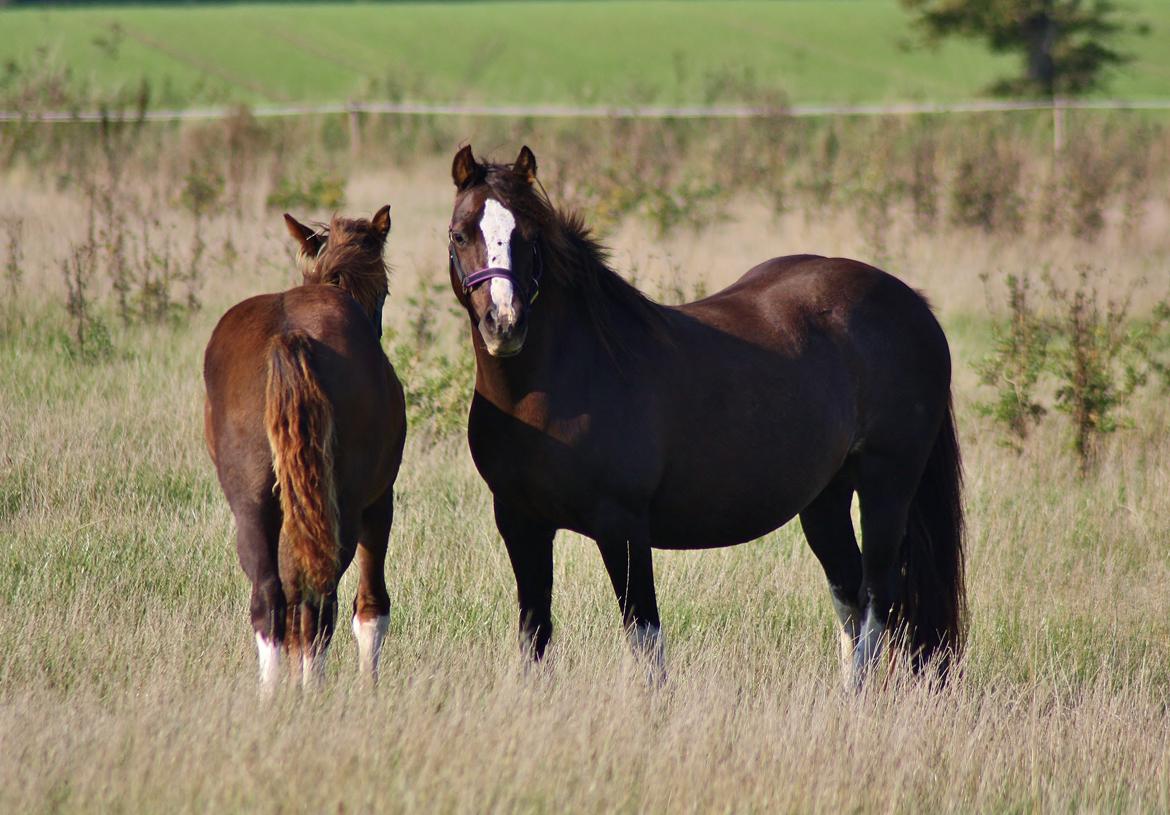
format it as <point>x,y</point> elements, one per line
<point>710,522</point>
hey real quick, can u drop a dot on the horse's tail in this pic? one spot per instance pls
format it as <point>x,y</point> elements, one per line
<point>298,418</point>
<point>932,602</point>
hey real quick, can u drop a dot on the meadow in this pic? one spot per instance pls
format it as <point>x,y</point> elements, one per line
<point>529,52</point>
<point>127,675</point>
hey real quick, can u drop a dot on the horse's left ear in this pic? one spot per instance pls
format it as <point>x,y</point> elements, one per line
<point>381,221</point>
<point>465,170</point>
<point>526,163</point>
<point>309,239</point>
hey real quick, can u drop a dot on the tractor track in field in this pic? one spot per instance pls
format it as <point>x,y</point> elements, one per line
<point>204,65</point>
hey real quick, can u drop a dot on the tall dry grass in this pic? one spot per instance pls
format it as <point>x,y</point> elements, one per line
<point>127,667</point>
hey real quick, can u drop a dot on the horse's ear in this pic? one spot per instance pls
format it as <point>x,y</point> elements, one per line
<point>381,221</point>
<point>464,169</point>
<point>309,240</point>
<point>526,163</point>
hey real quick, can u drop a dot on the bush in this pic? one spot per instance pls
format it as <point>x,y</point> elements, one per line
<point>314,191</point>
<point>1088,350</point>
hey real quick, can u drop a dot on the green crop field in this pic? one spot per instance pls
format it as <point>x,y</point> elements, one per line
<point>555,52</point>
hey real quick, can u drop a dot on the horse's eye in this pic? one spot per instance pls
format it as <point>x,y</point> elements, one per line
<point>458,238</point>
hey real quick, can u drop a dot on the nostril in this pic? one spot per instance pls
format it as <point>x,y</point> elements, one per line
<point>490,319</point>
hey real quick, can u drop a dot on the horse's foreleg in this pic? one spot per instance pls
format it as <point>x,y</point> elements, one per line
<point>371,605</point>
<point>530,548</point>
<point>630,566</point>
<point>828,528</point>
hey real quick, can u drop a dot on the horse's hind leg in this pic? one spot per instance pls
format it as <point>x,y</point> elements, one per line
<point>885,489</point>
<point>257,533</point>
<point>371,605</point>
<point>828,528</point>
<point>313,620</point>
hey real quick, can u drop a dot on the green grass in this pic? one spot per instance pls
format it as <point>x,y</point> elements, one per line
<point>541,52</point>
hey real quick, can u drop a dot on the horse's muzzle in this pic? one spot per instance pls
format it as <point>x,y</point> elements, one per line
<point>503,331</point>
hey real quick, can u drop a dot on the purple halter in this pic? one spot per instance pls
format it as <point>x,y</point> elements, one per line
<point>472,280</point>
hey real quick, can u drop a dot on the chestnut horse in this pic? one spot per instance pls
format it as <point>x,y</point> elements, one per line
<point>710,424</point>
<point>305,421</point>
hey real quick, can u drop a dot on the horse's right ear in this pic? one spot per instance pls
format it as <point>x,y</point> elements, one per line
<point>465,171</point>
<point>381,221</point>
<point>309,239</point>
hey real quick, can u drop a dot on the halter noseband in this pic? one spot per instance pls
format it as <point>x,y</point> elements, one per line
<point>472,280</point>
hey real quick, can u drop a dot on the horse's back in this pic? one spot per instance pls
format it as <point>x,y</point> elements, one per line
<point>348,362</point>
<point>788,372</point>
<point>787,301</point>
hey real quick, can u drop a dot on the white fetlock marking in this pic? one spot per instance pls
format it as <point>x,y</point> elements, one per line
<point>869,647</point>
<point>313,668</point>
<point>647,642</point>
<point>269,658</point>
<point>849,617</point>
<point>369,635</point>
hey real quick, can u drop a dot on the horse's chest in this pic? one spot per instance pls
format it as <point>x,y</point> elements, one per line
<point>559,470</point>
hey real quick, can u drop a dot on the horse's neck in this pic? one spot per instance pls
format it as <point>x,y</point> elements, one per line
<point>558,344</point>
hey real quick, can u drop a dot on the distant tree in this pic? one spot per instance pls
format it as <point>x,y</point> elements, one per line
<point>1068,46</point>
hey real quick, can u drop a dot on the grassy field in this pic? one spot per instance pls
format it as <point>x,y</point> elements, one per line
<point>581,52</point>
<point>127,676</point>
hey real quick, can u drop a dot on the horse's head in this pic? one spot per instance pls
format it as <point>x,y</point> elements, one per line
<point>348,254</point>
<point>495,254</point>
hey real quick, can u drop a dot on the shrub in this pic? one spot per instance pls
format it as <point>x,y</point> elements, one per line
<point>1016,364</point>
<point>313,191</point>
<point>1088,348</point>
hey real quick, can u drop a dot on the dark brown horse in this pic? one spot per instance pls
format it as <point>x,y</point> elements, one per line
<point>710,424</point>
<point>305,421</point>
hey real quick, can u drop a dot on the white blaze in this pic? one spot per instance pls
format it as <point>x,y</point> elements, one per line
<point>497,225</point>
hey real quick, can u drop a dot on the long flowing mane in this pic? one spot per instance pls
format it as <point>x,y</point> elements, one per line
<point>350,258</point>
<point>574,261</point>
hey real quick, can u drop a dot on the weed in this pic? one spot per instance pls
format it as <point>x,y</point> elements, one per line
<point>88,338</point>
<point>1089,347</point>
<point>1016,363</point>
<point>986,187</point>
<point>310,190</point>
<point>13,272</point>
<point>1101,359</point>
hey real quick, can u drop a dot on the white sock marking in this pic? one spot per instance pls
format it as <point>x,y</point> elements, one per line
<point>849,617</point>
<point>869,647</point>
<point>269,658</point>
<point>647,642</point>
<point>370,635</point>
